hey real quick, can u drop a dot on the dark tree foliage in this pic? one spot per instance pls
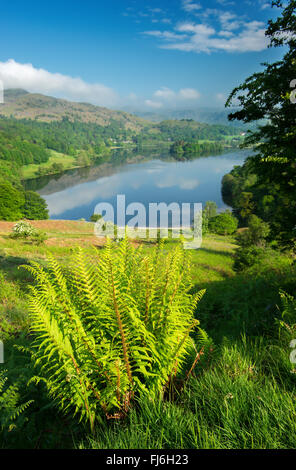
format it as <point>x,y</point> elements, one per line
<point>11,202</point>
<point>223,224</point>
<point>267,95</point>
<point>185,150</point>
<point>35,208</point>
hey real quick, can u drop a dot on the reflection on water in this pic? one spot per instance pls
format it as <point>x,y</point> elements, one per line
<point>75,193</point>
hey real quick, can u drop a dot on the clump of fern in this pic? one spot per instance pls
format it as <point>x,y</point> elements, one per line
<point>113,327</point>
<point>287,322</point>
<point>10,409</point>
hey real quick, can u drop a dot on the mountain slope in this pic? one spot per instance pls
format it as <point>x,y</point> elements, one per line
<point>21,104</point>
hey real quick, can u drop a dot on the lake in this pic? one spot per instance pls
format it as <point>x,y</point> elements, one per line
<point>74,194</point>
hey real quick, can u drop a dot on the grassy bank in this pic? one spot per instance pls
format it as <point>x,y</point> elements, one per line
<point>242,394</point>
<point>69,162</point>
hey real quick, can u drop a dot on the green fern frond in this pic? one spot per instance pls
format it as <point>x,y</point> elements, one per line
<point>112,327</point>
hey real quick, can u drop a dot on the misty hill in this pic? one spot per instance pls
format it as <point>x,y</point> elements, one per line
<point>23,105</point>
<point>206,115</point>
<point>32,126</point>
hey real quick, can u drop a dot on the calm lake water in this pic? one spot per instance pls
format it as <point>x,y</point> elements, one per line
<point>74,194</point>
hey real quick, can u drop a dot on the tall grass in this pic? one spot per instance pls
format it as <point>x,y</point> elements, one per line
<point>243,398</point>
<point>236,404</point>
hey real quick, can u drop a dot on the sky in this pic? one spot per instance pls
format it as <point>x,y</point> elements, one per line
<point>138,54</point>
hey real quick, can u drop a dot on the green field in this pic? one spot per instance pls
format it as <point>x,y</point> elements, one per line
<point>68,162</point>
<point>242,394</point>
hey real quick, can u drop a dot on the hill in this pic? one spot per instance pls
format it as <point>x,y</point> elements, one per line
<point>33,126</point>
<point>23,105</point>
<point>203,114</point>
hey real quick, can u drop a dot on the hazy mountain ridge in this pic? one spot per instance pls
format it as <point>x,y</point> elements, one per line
<point>205,115</point>
<point>21,104</point>
<point>24,105</point>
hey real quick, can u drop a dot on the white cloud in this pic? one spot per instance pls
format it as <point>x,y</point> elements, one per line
<point>153,104</point>
<point>166,35</point>
<point>203,38</point>
<point>225,34</point>
<point>30,78</point>
<point>198,29</point>
<point>189,94</point>
<point>225,2</point>
<point>34,80</point>
<point>191,6</point>
<point>264,4</point>
<point>173,98</point>
<point>229,21</point>
<point>165,93</point>
<point>216,30</point>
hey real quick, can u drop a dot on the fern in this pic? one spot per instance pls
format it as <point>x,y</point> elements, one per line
<point>115,326</point>
<point>10,409</point>
<point>287,323</point>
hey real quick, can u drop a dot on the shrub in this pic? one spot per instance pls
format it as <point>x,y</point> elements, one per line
<point>22,230</point>
<point>223,224</point>
<point>95,217</point>
<point>255,234</point>
<point>38,237</point>
<point>25,230</point>
<point>115,326</point>
<point>246,257</point>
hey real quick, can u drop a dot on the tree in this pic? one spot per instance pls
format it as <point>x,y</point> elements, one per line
<point>255,234</point>
<point>223,224</point>
<point>267,95</point>
<point>11,202</point>
<point>95,217</point>
<point>209,211</point>
<point>35,208</point>
<point>56,167</point>
<point>83,159</point>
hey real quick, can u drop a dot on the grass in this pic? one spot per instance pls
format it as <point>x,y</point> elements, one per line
<point>68,162</point>
<point>232,405</point>
<point>242,394</point>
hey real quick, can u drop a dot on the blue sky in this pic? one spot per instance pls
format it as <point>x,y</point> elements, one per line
<point>146,54</point>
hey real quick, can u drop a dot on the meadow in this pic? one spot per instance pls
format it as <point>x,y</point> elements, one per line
<point>241,393</point>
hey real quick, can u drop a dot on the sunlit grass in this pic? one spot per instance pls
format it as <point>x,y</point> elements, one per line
<point>68,162</point>
<point>243,397</point>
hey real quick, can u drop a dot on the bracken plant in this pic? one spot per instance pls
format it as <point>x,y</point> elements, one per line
<point>114,327</point>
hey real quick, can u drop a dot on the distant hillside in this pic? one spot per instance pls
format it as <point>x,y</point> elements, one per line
<point>205,115</point>
<point>32,126</point>
<point>23,105</point>
<point>12,95</point>
<point>118,125</point>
